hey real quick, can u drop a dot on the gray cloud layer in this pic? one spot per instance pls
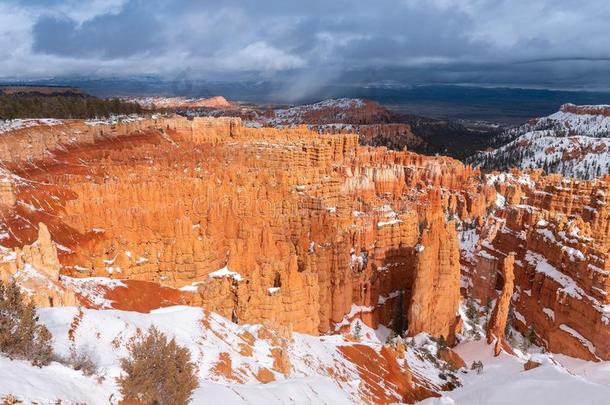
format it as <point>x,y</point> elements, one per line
<point>557,43</point>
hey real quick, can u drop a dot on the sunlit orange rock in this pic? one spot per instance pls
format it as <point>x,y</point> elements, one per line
<point>436,288</point>
<point>284,226</point>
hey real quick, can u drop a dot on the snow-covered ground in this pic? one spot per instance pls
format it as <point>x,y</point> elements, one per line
<point>505,382</point>
<point>104,334</point>
<point>16,124</point>
<point>179,102</point>
<point>558,380</point>
<point>574,156</point>
<point>114,119</point>
<point>595,125</point>
<point>297,115</point>
<point>13,125</point>
<point>48,384</point>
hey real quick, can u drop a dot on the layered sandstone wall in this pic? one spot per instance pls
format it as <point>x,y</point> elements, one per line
<point>559,230</point>
<point>40,142</point>
<point>286,226</point>
<point>586,109</point>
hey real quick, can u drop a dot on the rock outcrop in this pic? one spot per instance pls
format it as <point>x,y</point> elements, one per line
<point>301,232</point>
<point>393,136</point>
<point>436,288</point>
<point>375,124</point>
<point>559,231</point>
<point>499,316</point>
<point>36,270</point>
<point>586,109</point>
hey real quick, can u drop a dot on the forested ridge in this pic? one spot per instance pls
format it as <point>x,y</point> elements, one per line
<point>30,105</point>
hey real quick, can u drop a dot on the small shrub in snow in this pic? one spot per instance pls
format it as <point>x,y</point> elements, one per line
<point>442,343</point>
<point>477,366</point>
<point>509,319</point>
<point>10,399</point>
<point>358,331</point>
<point>21,336</point>
<point>528,339</point>
<point>80,360</point>
<point>424,354</point>
<point>157,371</point>
<point>390,340</point>
<point>471,311</point>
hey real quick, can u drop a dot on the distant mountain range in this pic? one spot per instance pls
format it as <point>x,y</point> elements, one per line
<point>374,123</point>
<point>454,102</point>
<point>575,141</point>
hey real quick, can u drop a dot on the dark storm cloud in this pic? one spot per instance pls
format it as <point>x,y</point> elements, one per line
<point>132,31</point>
<point>476,41</point>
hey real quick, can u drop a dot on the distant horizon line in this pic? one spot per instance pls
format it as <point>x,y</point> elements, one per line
<point>68,82</point>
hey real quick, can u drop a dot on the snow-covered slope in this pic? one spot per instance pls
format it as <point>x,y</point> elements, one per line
<point>572,120</point>
<point>180,102</point>
<point>505,382</point>
<point>230,360</point>
<point>298,114</point>
<point>343,112</point>
<point>574,141</point>
<point>581,157</point>
<point>13,125</point>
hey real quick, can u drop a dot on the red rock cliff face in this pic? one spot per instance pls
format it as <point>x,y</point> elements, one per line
<point>559,230</point>
<point>436,289</point>
<point>586,109</point>
<point>286,227</point>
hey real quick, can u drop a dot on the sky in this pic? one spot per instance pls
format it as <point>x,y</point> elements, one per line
<point>535,43</point>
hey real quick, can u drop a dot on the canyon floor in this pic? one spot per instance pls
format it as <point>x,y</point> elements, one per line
<point>300,266</point>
